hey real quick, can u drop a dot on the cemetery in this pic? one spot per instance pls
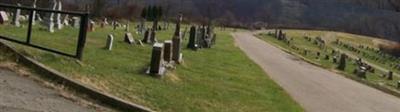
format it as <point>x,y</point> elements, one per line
<point>185,56</point>
<point>158,69</point>
<point>331,51</point>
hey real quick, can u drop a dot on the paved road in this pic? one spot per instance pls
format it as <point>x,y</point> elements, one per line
<point>21,94</point>
<point>315,89</point>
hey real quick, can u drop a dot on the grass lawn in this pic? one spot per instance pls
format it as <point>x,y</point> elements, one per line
<point>300,42</point>
<point>221,79</point>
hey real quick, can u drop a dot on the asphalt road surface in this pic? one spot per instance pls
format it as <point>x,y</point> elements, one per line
<point>21,94</point>
<point>314,88</point>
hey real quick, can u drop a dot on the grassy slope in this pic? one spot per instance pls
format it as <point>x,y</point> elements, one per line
<point>217,79</point>
<point>302,43</point>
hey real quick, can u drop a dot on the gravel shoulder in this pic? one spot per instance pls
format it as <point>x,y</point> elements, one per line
<point>22,94</point>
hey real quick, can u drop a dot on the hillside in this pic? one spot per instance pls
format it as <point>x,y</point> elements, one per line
<point>379,18</point>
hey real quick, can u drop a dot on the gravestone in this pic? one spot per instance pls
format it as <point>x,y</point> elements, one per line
<point>66,20</point>
<point>153,36</point>
<point>192,39</point>
<point>105,21</point>
<point>114,24</point>
<point>398,84</point>
<point>92,25</point>
<point>176,49</point>
<point>146,37</point>
<point>22,18</point>
<point>59,23</point>
<point>156,64</point>
<point>326,57</point>
<point>110,40</point>
<point>342,62</point>
<point>178,26</point>
<point>140,43</point>
<point>168,51</point>
<point>3,17</point>
<point>39,18</point>
<point>213,39</point>
<point>390,75</point>
<point>34,12</point>
<point>127,27</point>
<point>50,17</point>
<point>361,72</point>
<point>76,22</point>
<point>16,18</point>
<point>129,38</point>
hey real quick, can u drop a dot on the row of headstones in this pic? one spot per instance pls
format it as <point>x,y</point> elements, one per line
<point>128,38</point>
<point>280,35</point>
<point>49,20</point>
<point>201,37</point>
<point>360,71</point>
<point>379,59</point>
<point>165,55</point>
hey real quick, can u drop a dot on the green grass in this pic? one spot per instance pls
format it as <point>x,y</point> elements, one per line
<point>220,79</point>
<point>299,41</point>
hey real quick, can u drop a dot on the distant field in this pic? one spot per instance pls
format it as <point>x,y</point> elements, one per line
<point>221,79</point>
<point>298,40</point>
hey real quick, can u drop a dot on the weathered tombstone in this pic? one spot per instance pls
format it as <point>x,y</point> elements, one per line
<point>213,39</point>
<point>110,40</point>
<point>398,84</point>
<point>146,37</point>
<point>105,21</point>
<point>16,18</point>
<point>34,12</point>
<point>156,64</point>
<point>50,18</point>
<point>192,38</point>
<point>3,17</point>
<point>390,75</point>
<point>361,72</point>
<point>76,22</point>
<point>92,25</point>
<point>22,18</point>
<point>153,36</point>
<point>129,38</point>
<point>66,20</point>
<point>39,18</point>
<point>168,51</point>
<point>59,23</point>
<point>326,57</point>
<point>178,26</point>
<point>342,62</point>
<point>127,27</point>
<point>115,25</point>
<point>176,49</point>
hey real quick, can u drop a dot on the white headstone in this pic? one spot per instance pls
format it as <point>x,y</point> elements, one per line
<point>17,17</point>
<point>3,17</point>
<point>66,20</point>
<point>50,18</point>
<point>59,21</point>
<point>38,17</point>
<point>105,21</point>
<point>110,40</point>
<point>76,22</point>
<point>34,13</point>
